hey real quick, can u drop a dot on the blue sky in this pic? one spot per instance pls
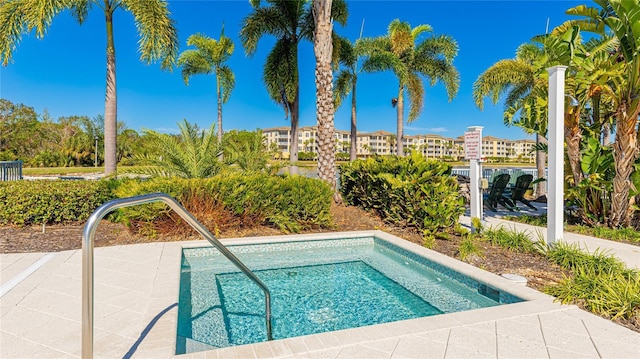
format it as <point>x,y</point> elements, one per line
<point>65,71</point>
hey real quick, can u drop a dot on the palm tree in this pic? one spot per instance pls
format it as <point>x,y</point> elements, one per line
<point>622,19</point>
<point>290,21</point>
<point>208,58</point>
<point>520,79</point>
<point>345,84</point>
<point>158,41</point>
<point>398,51</point>
<point>192,154</point>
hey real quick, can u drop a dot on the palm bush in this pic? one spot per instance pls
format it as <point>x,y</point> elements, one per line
<point>192,154</point>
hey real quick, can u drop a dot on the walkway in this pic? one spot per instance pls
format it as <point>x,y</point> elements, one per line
<point>627,253</point>
<point>136,291</point>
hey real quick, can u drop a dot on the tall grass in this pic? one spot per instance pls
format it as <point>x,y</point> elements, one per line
<point>512,240</point>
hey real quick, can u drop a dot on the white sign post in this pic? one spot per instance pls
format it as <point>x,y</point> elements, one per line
<point>473,152</point>
<point>555,203</point>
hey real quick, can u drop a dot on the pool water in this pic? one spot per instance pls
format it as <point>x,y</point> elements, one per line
<point>316,286</point>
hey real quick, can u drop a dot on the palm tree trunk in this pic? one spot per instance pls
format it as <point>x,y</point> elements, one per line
<point>323,48</point>
<point>400,122</point>
<point>295,113</point>
<point>220,132</point>
<point>541,165</point>
<point>110,103</point>
<point>353,153</point>
<point>573,136</point>
<point>625,152</point>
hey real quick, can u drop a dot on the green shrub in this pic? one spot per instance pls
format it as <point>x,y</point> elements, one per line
<point>290,203</point>
<point>409,191</point>
<point>36,202</point>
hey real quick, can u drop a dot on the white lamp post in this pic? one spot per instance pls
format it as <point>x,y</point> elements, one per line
<point>555,203</point>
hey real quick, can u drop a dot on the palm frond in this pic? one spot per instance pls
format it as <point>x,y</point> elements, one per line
<point>262,21</point>
<point>419,30</point>
<point>194,62</point>
<point>18,17</point>
<point>442,46</point>
<point>227,82</point>
<point>342,87</point>
<point>415,92</point>
<point>192,154</point>
<point>281,73</point>
<point>158,34</point>
<point>500,78</point>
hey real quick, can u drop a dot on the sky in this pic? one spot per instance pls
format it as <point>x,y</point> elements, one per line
<point>64,72</point>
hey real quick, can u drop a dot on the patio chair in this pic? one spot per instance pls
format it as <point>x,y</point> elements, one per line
<point>517,192</point>
<point>495,193</point>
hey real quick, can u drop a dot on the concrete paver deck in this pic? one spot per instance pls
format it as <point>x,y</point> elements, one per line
<point>136,293</point>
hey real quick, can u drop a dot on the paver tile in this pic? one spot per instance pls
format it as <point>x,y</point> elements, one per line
<point>471,339</point>
<point>19,348</point>
<point>519,330</point>
<point>563,340</point>
<point>383,345</point>
<point>418,347</point>
<point>555,353</point>
<point>361,352</point>
<point>612,349</point>
<point>441,336</point>
<point>329,353</point>
<point>514,348</point>
<point>562,321</point>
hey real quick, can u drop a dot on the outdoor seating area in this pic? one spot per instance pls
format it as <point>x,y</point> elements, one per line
<point>507,190</point>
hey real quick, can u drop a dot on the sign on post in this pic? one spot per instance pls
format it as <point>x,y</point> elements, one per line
<point>472,145</point>
<point>473,152</point>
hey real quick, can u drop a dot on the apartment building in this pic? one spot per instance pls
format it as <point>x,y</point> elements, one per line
<point>384,143</point>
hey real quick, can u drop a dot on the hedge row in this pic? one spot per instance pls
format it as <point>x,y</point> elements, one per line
<point>289,202</point>
<point>37,202</point>
<point>409,191</point>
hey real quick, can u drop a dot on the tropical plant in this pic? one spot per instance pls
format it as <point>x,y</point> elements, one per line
<point>410,60</point>
<point>158,41</point>
<point>622,19</point>
<point>247,151</point>
<point>410,191</point>
<point>290,22</point>
<point>208,58</point>
<point>192,154</point>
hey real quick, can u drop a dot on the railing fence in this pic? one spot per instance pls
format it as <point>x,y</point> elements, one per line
<point>10,170</point>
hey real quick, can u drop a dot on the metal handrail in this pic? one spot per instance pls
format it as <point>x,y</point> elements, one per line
<point>89,232</point>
